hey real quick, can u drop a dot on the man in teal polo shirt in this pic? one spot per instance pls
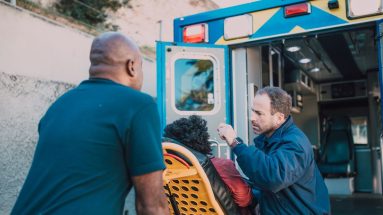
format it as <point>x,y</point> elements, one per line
<point>98,140</point>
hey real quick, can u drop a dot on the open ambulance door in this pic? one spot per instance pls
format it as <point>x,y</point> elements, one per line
<point>193,79</point>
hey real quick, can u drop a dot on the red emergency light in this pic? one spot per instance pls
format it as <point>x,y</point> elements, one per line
<point>297,9</point>
<point>195,33</point>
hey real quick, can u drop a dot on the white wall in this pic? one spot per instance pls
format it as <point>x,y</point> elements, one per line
<point>36,47</point>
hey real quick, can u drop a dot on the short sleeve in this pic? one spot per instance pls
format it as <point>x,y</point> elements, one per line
<point>143,150</point>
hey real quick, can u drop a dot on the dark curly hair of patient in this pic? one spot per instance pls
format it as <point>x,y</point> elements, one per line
<point>191,131</point>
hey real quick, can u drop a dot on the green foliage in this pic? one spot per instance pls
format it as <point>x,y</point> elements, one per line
<point>92,12</point>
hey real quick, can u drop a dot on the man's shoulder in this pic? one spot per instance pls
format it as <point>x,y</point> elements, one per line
<point>294,132</point>
<point>129,92</point>
<point>111,88</point>
<point>115,97</point>
<point>139,97</point>
<point>129,96</point>
<point>296,136</point>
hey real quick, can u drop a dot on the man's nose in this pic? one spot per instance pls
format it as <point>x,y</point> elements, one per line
<point>252,117</point>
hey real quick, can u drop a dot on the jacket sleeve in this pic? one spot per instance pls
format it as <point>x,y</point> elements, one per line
<point>240,191</point>
<point>275,171</point>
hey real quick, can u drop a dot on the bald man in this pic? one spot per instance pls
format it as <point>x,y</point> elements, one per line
<point>98,140</point>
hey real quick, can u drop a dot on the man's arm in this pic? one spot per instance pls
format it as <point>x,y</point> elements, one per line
<point>273,171</point>
<point>150,195</point>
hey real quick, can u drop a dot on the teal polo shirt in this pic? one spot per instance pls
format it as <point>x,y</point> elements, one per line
<point>92,140</point>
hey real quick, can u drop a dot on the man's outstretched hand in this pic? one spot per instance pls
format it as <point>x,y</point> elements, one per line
<point>227,133</point>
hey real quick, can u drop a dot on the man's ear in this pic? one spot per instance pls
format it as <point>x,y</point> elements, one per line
<point>129,67</point>
<point>280,118</point>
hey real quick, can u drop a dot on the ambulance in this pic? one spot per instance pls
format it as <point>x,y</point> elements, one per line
<point>327,54</point>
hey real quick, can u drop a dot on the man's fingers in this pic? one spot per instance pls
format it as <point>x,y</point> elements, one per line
<point>223,130</point>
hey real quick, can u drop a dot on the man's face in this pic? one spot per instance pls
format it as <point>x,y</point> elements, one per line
<point>263,122</point>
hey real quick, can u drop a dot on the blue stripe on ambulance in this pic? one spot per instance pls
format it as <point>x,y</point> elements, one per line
<point>215,30</point>
<point>277,24</point>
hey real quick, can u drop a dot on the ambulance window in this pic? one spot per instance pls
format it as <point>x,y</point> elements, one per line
<point>194,85</point>
<point>359,129</point>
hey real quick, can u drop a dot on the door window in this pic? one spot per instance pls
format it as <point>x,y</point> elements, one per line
<point>359,129</point>
<point>194,85</point>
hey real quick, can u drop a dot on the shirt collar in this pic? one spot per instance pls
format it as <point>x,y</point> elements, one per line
<point>277,133</point>
<point>95,80</point>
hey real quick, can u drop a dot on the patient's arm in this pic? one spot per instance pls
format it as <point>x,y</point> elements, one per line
<point>240,190</point>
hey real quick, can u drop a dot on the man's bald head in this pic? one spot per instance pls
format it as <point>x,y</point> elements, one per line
<point>114,56</point>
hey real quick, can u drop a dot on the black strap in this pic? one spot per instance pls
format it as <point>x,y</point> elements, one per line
<point>173,201</point>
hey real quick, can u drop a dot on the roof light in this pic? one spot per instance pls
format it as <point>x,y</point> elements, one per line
<point>305,60</point>
<point>293,48</point>
<point>359,8</point>
<point>195,33</point>
<point>316,69</point>
<point>297,9</point>
<point>238,27</point>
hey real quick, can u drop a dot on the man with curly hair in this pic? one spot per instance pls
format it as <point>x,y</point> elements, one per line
<point>193,133</point>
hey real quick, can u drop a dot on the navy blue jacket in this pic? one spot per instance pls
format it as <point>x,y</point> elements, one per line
<point>283,169</point>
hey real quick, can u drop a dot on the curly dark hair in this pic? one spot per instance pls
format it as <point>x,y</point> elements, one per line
<point>191,131</point>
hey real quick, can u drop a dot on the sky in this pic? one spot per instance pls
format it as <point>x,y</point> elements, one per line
<point>227,3</point>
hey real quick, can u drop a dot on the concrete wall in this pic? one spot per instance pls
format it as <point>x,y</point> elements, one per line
<point>39,61</point>
<point>23,101</point>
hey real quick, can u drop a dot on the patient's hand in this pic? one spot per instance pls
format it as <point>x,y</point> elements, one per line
<point>226,132</point>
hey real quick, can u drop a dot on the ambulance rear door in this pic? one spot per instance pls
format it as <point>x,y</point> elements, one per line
<point>193,79</point>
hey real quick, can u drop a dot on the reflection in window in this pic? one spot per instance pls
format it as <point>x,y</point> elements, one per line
<point>359,129</point>
<point>194,85</point>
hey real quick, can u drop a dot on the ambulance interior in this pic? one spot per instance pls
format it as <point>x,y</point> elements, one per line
<point>333,80</point>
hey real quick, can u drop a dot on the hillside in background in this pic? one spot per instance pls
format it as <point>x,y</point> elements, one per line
<point>145,21</point>
<point>142,22</point>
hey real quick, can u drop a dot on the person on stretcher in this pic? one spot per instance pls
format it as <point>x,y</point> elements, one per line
<point>192,132</point>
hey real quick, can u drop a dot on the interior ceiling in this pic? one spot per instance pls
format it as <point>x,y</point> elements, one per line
<point>338,56</point>
<point>362,45</point>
